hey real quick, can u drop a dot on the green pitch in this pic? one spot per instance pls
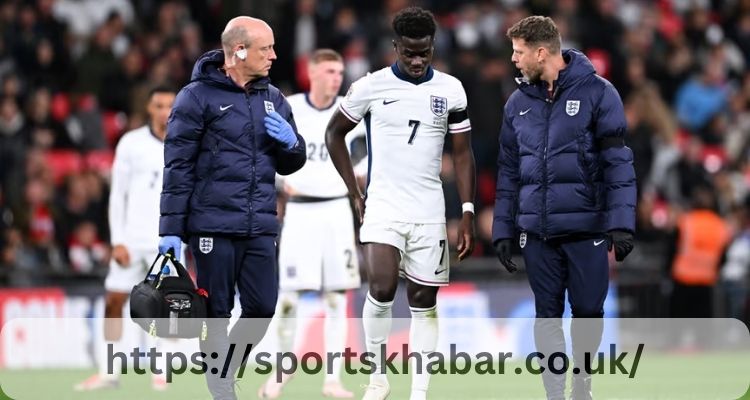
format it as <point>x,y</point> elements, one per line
<point>659,377</point>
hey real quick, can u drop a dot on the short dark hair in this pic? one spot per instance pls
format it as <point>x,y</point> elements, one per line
<point>322,55</point>
<point>537,30</point>
<point>414,23</point>
<point>160,89</point>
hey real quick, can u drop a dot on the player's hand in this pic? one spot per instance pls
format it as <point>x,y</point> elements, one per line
<point>121,255</point>
<point>170,242</point>
<point>503,250</point>
<point>358,201</point>
<point>622,242</point>
<point>466,233</point>
<point>279,129</point>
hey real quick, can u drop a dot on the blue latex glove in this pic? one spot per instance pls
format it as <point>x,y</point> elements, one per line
<point>279,129</point>
<point>170,242</point>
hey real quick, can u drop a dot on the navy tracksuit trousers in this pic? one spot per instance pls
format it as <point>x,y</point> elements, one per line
<point>580,267</point>
<point>223,263</point>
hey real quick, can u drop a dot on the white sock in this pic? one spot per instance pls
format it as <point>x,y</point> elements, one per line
<point>335,331</point>
<point>423,336</point>
<point>376,319</point>
<point>286,309</point>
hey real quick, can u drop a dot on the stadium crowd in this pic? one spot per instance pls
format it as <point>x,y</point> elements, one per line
<point>74,75</point>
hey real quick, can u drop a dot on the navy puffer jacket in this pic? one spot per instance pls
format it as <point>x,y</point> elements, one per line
<point>563,169</point>
<point>219,162</point>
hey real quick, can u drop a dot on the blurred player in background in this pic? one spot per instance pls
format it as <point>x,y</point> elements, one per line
<point>408,108</point>
<point>317,248</point>
<point>133,222</point>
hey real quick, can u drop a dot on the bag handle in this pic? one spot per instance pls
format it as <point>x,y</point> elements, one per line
<point>169,256</point>
<point>181,270</point>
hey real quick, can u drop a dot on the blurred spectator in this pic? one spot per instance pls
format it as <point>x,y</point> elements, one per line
<point>700,239</point>
<point>12,149</point>
<point>37,225</point>
<point>123,82</point>
<point>87,252</point>
<point>84,125</point>
<point>703,97</point>
<point>82,203</point>
<point>96,62</point>
<point>43,131</point>
<point>688,173</point>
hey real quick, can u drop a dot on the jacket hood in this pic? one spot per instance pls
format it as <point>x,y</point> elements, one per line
<point>578,67</point>
<point>207,69</point>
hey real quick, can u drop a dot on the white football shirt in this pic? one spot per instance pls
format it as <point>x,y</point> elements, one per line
<point>406,122</point>
<point>318,178</point>
<point>136,188</point>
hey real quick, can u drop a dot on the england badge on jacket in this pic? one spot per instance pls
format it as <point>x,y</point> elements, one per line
<point>572,107</point>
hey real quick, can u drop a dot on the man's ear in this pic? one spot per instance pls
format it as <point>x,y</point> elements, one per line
<point>540,53</point>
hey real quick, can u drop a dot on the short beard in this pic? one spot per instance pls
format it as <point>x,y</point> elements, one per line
<point>534,76</point>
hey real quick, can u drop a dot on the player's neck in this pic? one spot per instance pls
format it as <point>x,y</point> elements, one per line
<point>319,100</point>
<point>552,72</point>
<point>158,132</point>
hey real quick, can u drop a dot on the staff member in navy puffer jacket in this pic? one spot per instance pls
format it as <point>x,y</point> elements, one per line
<point>229,133</point>
<point>565,188</point>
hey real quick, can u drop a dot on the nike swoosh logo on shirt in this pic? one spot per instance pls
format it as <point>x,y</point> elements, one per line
<point>386,102</point>
<point>440,271</point>
<point>224,108</point>
<point>524,112</point>
<point>598,242</point>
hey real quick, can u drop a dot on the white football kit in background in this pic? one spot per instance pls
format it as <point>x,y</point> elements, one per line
<point>134,205</point>
<point>317,249</point>
<point>406,125</point>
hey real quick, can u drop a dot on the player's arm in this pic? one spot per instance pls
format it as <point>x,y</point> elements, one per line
<point>117,199</point>
<point>463,162</point>
<point>353,109</point>
<point>336,131</point>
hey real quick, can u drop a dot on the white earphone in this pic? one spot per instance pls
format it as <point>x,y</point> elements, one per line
<point>241,54</point>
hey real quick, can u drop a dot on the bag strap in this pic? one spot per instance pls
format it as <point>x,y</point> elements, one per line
<point>156,260</point>
<point>181,270</point>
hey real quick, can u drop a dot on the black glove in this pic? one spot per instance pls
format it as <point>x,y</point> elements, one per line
<point>622,242</point>
<point>503,250</point>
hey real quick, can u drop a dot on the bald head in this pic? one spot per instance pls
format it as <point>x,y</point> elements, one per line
<point>242,30</point>
<point>255,38</point>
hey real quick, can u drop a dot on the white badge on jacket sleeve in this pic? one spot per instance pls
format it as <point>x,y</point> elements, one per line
<point>522,240</point>
<point>269,106</point>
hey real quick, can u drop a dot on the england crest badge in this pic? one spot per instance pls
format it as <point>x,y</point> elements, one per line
<point>438,105</point>
<point>205,244</point>
<point>572,107</point>
<point>268,106</point>
<point>522,240</point>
